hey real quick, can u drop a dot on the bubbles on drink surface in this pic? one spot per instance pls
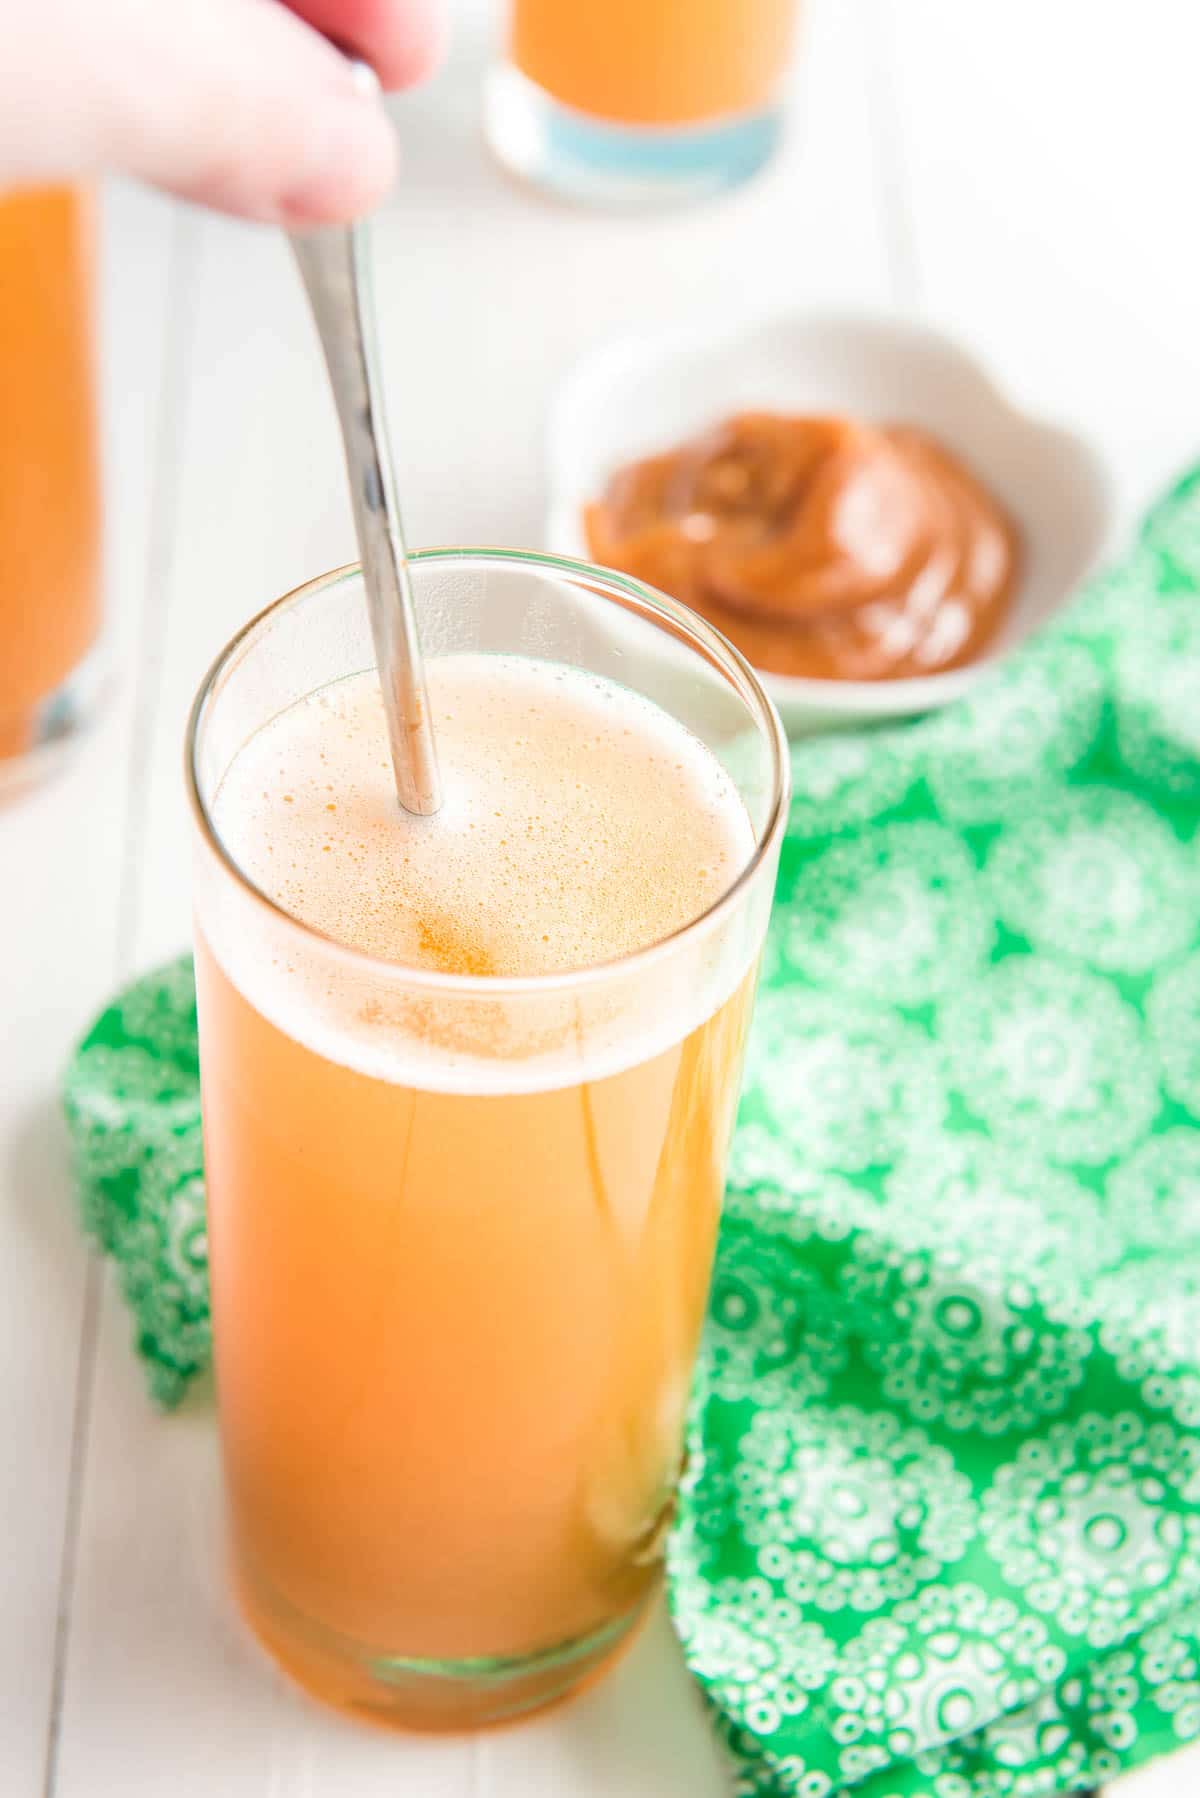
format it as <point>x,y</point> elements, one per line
<point>579,822</point>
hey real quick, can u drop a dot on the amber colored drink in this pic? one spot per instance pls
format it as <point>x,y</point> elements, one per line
<point>654,62</point>
<point>455,1337</point>
<point>459,1270</point>
<point>49,469</point>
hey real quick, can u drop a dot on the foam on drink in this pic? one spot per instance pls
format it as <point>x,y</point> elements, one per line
<point>580,821</point>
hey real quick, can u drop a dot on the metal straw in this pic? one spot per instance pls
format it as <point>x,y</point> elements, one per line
<point>335,268</point>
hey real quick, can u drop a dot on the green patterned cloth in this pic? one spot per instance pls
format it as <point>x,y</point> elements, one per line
<point>940,1530</point>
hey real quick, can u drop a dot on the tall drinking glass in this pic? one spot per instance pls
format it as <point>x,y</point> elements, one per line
<point>49,474</point>
<point>634,102</point>
<point>461,1225</point>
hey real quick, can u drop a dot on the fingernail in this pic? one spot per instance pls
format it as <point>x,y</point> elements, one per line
<point>350,163</point>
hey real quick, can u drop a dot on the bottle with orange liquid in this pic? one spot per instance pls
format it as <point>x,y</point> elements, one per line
<point>640,101</point>
<point>49,474</point>
<point>468,1084</point>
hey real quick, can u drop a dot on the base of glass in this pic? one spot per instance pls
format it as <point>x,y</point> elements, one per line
<point>33,744</point>
<point>582,158</point>
<point>406,1692</point>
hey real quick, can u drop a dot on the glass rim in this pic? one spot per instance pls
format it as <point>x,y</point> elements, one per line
<point>670,614</point>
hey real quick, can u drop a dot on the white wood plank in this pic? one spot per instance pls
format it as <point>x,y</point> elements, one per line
<point>486,294</point>
<point>61,854</point>
<point>1173,1776</point>
<point>1050,155</point>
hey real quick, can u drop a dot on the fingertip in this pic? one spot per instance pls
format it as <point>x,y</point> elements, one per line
<point>415,49</point>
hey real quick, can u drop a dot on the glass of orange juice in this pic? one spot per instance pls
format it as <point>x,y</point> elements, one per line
<point>640,101</point>
<point>49,475</point>
<point>468,1083</point>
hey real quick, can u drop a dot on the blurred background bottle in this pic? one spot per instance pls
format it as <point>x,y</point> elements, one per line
<point>49,471</point>
<point>640,101</point>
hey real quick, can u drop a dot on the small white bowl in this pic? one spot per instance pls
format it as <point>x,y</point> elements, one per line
<point>647,393</point>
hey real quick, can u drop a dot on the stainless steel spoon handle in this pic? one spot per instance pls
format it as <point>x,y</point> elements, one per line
<point>334,265</point>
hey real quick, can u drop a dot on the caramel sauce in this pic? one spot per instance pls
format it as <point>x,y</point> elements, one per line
<point>822,547</point>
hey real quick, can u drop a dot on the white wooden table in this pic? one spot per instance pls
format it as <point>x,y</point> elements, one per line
<point>1023,174</point>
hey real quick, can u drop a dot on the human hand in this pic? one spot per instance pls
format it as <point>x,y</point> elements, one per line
<point>241,104</point>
